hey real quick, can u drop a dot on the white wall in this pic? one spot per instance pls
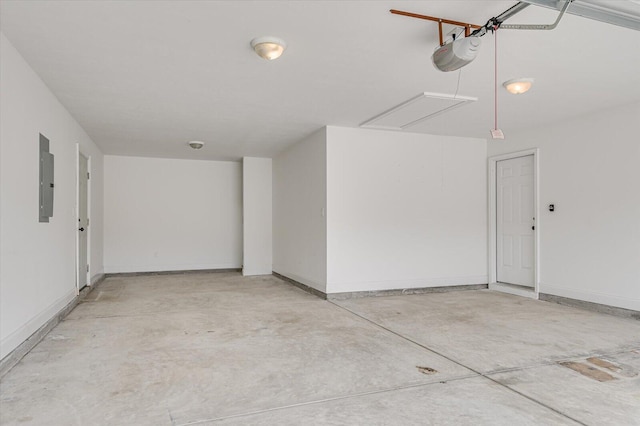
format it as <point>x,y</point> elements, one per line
<point>404,210</point>
<point>590,170</point>
<point>257,216</point>
<point>299,200</point>
<point>166,215</point>
<point>37,260</point>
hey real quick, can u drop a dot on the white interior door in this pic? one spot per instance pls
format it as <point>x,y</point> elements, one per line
<point>83,221</point>
<point>515,221</point>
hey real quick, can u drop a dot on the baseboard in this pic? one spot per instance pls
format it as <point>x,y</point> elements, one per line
<point>170,267</point>
<point>403,284</point>
<point>516,290</point>
<point>22,333</point>
<point>14,357</point>
<point>591,306</point>
<point>308,289</point>
<point>97,279</point>
<point>405,291</point>
<point>379,293</point>
<point>250,273</point>
<point>189,271</point>
<point>602,298</point>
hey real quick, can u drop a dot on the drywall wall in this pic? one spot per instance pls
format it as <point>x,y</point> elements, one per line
<point>299,202</point>
<point>257,216</point>
<point>590,170</point>
<point>404,210</point>
<point>38,260</point>
<point>170,215</point>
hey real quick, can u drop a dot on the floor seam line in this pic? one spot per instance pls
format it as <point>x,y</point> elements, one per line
<point>458,363</point>
<point>534,400</point>
<point>337,398</point>
<point>405,338</point>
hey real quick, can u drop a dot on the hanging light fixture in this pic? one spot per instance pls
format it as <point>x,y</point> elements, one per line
<point>518,86</point>
<point>268,47</point>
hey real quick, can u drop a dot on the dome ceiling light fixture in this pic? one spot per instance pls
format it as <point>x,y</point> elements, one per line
<point>196,144</point>
<point>518,86</point>
<point>268,47</point>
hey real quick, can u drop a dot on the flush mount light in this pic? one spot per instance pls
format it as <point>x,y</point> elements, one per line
<point>196,144</point>
<point>268,47</point>
<point>518,86</point>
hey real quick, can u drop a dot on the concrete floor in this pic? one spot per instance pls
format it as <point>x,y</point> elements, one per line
<point>223,349</point>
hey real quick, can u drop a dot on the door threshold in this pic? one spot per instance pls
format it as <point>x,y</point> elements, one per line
<point>514,289</point>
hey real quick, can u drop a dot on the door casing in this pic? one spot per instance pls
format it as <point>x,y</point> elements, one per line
<point>492,240</point>
<point>88,228</point>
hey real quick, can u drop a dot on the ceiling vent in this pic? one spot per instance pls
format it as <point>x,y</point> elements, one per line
<point>416,110</point>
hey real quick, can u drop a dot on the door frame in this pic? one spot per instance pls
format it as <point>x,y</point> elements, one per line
<point>493,225</point>
<point>79,152</point>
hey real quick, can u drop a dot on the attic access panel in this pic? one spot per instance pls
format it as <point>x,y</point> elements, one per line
<point>416,110</point>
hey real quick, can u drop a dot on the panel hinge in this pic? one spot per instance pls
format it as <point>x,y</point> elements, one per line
<point>87,268</point>
<point>88,175</point>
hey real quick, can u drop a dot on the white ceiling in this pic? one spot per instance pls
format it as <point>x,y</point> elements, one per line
<point>145,77</point>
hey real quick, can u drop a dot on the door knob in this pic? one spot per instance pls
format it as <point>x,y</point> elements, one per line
<point>81,229</point>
